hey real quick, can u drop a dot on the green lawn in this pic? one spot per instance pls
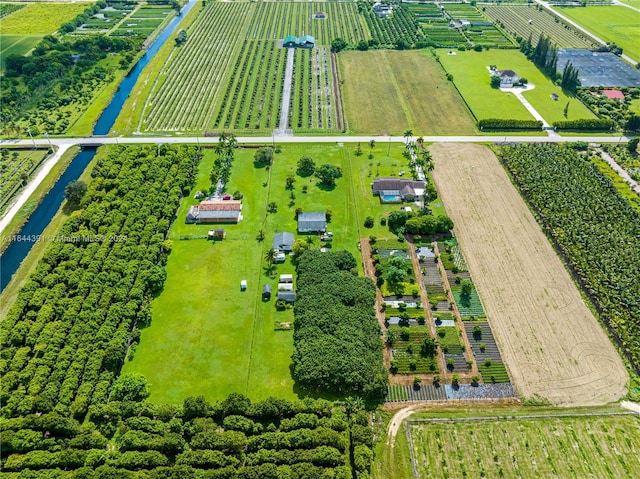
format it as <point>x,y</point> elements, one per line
<point>209,338</point>
<point>469,70</point>
<point>388,91</point>
<point>615,24</point>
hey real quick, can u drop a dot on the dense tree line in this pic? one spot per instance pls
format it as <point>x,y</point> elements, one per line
<point>596,229</point>
<point>64,340</point>
<point>570,80</point>
<point>337,338</point>
<point>41,91</point>
<point>509,124</point>
<point>544,55</point>
<point>233,438</point>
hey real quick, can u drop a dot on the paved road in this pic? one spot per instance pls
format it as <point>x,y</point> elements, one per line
<point>380,140</point>
<point>582,29</point>
<point>64,144</point>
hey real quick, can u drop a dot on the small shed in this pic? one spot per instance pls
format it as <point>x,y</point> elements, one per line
<point>306,41</point>
<point>285,287</point>
<point>266,292</point>
<point>243,285</point>
<point>287,296</point>
<point>290,42</point>
<point>217,234</point>
<point>286,278</point>
<point>320,16</point>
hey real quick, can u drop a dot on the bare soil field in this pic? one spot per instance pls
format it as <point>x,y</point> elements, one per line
<point>551,343</point>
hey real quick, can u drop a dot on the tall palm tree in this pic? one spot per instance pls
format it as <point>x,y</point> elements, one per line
<point>269,255</point>
<point>407,134</point>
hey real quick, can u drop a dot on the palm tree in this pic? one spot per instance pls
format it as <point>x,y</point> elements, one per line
<point>309,240</point>
<point>269,256</point>
<point>427,160</point>
<point>407,134</point>
<point>260,236</point>
<point>420,141</point>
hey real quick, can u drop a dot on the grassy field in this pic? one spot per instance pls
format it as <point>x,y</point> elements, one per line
<point>615,24</point>
<point>587,446</point>
<point>40,18</point>
<point>16,45</point>
<point>207,337</point>
<point>391,91</point>
<point>469,70</point>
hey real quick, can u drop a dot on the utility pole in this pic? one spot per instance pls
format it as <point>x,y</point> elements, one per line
<point>30,136</point>
<point>46,133</point>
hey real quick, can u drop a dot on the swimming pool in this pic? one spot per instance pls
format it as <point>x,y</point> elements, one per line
<point>390,198</point>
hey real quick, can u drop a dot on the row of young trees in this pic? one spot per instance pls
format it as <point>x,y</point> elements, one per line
<point>64,340</point>
<point>337,346</point>
<point>595,227</point>
<point>233,438</point>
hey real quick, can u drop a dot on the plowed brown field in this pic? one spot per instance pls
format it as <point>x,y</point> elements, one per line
<point>552,344</point>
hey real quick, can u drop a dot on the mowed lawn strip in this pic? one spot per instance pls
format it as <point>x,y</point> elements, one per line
<point>613,23</point>
<point>469,70</point>
<point>587,446</point>
<point>41,18</point>
<point>392,91</point>
<point>550,341</point>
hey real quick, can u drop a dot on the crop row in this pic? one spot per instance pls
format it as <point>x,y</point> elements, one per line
<point>186,90</point>
<point>9,8</point>
<point>201,88</point>
<point>525,21</point>
<point>252,97</point>
<point>65,338</point>
<point>596,229</point>
<point>401,25</point>
<point>312,103</point>
<point>273,21</point>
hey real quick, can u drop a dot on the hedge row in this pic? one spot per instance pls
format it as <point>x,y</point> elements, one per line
<point>503,124</point>
<point>584,124</point>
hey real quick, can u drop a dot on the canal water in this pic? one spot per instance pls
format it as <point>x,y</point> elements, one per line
<point>32,230</point>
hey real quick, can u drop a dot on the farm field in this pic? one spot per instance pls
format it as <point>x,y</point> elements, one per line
<point>207,76</point>
<point>16,45</point>
<point>470,74</point>
<point>210,338</point>
<point>388,92</point>
<point>562,355</point>
<point>143,21</point>
<point>40,18</point>
<point>516,18</point>
<point>615,24</point>
<point>16,167</point>
<point>587,446</point>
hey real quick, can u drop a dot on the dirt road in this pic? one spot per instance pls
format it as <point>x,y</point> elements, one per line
<point>552,344</point>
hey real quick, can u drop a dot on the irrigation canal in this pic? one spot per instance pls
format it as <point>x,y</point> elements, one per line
<point>32,230</point>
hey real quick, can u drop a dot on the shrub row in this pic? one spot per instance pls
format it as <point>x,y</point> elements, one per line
<point>585,124</point>
<point>505,124</point>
